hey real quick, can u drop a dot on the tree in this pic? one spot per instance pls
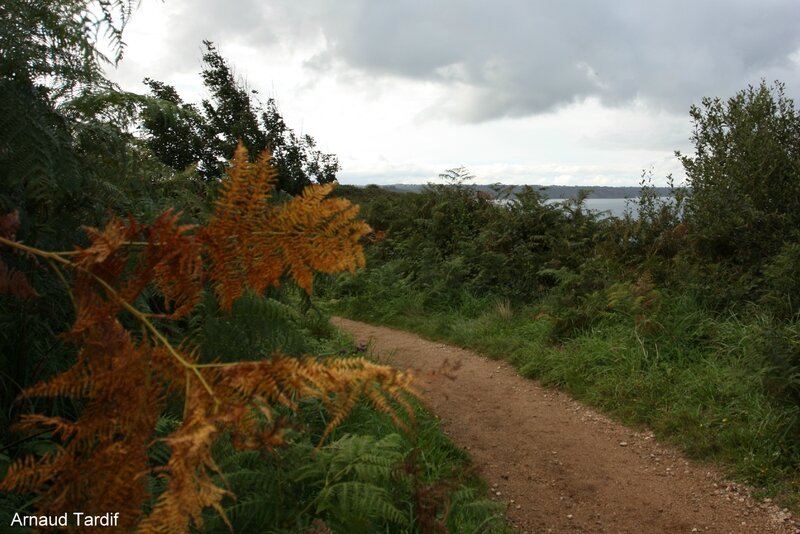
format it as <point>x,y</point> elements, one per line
<point>180,136</point>
<point>744,175</point>
<point>209,134</point>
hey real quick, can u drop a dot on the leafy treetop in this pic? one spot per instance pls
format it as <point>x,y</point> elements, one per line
<point>208,134</point>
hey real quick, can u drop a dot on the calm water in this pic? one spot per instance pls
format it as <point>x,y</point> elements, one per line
<point>606,207</point>
<point>611,207</point>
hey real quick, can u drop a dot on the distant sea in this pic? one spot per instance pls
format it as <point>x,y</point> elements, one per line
<point>610,207</point>
<point>606,201</point>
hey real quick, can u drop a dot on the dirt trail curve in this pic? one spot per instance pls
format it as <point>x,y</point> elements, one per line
<point>564,467</point>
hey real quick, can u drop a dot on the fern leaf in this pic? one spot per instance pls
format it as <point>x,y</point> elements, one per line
<point>250,242</point>
<point>364,500</point>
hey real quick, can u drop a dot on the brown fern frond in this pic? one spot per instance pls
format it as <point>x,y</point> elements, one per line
<point>314,233</point>
<point>60,426</point>
<point>9,225</point>
<point>233,249</point>
<point>15,283</point>
<point>252,244</point>
<point>104,452</point>
<point>29,473</point>
<point>341,382</point>
<point>338,383</point>
<point>90,308</point>
<point>74,383</point>
<point>172,260</point>
<point>101,462</point>
<point>190,488</point>
<point>105,244</point>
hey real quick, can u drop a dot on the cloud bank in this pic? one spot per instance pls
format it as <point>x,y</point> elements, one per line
<point>513,58</point>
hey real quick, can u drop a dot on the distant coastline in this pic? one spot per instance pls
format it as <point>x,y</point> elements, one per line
<point>548,192</point>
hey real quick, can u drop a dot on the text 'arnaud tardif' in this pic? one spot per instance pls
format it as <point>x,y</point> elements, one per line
<point>76,519</point>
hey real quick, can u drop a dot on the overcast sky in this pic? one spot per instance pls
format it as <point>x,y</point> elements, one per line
<point>518,91</point>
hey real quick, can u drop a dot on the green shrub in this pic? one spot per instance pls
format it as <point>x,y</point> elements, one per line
<point>744,176</point>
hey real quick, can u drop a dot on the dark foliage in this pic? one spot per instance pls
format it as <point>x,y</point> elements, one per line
<point>47,56</point>
<point>207,135</point>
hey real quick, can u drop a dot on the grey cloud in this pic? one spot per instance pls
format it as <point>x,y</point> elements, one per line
<point>247,21</point>
<point>517,57</point>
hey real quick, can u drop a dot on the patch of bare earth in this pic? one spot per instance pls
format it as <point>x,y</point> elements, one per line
<point>562,466</point>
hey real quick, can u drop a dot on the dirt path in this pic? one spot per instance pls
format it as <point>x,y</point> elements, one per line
<point>564,467</point>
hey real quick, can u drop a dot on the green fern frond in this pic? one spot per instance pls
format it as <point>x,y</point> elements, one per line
<point>471,513</point>
<point>255,327</point>
<point>354,499</point>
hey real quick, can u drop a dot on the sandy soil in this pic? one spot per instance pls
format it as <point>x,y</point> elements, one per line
<point>562,466</point>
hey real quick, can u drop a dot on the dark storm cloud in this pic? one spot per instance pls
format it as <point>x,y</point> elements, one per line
<point>519,57</point>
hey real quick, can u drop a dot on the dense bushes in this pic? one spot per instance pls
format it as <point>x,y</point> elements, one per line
<point>730,236</point>
<point>744,212</point>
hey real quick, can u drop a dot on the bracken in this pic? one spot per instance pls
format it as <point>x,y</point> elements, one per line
<point>123,377</point>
